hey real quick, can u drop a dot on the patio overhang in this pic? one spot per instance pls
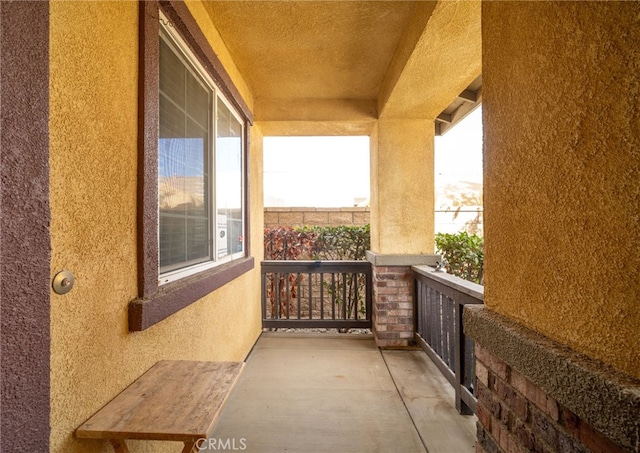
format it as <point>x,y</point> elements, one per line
<point>341,61</point>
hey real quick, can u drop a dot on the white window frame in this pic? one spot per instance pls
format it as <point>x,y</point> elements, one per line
<point>184,53</point>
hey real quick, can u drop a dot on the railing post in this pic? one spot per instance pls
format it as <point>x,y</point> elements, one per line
<point>456,364</point>
<point>460,353</point>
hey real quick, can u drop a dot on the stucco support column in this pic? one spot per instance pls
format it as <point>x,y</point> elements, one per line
<point>402,223</point>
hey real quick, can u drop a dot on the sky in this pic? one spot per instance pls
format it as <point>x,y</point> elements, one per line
<point>334,171</point>
<point>321,172</point>
<point>458,153</point>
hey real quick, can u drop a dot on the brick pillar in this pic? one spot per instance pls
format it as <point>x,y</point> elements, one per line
<point>393,306</point>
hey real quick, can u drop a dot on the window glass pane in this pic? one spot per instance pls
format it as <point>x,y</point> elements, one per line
<point>183,163</point>
<point>230,230</point>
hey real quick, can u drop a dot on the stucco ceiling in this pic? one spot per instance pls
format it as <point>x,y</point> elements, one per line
<point>312,50</point>
<point>351,60</point>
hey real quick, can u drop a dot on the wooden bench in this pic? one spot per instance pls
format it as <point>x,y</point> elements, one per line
<point>174,400</point>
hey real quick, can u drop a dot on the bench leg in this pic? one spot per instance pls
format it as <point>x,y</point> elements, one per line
<point>119,445</point>
<point>190,447</point>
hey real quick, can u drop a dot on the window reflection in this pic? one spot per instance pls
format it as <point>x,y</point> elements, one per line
<point>229,182</point>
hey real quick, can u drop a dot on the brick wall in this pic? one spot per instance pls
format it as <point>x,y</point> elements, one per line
<point>393,306</point>
<point>516,416</point>
<point>294,217</point>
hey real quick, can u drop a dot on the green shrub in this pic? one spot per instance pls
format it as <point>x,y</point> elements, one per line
<point>339,242</point>
<point>464,255</point>
<point>317,243</point>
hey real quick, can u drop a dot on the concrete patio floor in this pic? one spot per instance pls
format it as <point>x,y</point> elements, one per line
<point>305,393</point>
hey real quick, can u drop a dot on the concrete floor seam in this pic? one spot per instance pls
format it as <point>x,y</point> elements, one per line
<point>403,402</point>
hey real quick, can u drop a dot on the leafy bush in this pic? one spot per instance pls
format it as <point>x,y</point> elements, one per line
<point>286,243</point>
<point>463,254</point>
<point>339,242</point>
<point>317,243</point>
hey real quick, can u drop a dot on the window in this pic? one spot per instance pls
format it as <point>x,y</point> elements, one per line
<point>192,179</point>
<point>200,167</point>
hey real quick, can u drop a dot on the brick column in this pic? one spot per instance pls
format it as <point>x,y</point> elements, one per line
<point>393,297</point>
<point>393,306</point>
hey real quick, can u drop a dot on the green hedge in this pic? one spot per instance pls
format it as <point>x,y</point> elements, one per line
<point>464,255</point>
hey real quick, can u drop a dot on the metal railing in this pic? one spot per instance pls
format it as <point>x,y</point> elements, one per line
<point>440,299</point>
<point>311,294</point>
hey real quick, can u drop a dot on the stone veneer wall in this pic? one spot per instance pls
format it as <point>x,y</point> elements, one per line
<point>296,217</point>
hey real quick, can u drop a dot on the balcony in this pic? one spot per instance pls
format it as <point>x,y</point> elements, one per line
<point>325,392</point>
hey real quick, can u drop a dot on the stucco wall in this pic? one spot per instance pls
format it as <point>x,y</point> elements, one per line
<point>94,70</point>
<point>562,165</point>
<point>402,190</point>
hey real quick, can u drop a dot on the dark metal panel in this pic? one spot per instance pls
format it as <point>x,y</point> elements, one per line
<point>348,273</point>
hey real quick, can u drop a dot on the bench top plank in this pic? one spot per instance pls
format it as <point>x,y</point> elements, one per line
<point>174,400</point>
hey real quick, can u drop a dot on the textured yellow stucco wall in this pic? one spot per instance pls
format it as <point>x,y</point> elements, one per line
<point>402,187</point>
<point>93,127</point>
<point>432,66</point>
<point>562,172</point>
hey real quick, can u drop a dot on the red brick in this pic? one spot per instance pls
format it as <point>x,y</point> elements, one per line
<point>544,428</point>
<point>505,415</point>
<point>532,392</point>
<point>492,362</point>
<point>399,283</point>
<point>408,320</point>
<point>385,335</point>
<point>397,327</point>
<point>484,417</point>
<point>385,276</point>
<point>518,382</point>
<point>505,439</point>
<point>400,313</point>
<point>500,434</point>
<point>516,403</point>
<point>496,426</point>
<point>514,446</point>
<point>482,373</point>
<point>485,439</point>
<point>541,399</point>
<point>387,291</point>
<point>586,433</point>
<point>524,435</point>
<point>552,409</point>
